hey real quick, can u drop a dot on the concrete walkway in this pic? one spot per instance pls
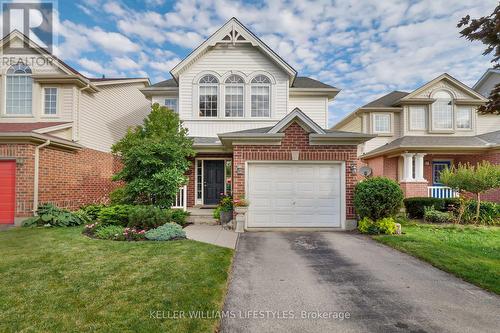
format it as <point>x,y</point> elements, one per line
<point>309,281</point>
<point>212,234</point>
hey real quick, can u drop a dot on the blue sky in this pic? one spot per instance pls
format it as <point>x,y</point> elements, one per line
<point>366,48</point>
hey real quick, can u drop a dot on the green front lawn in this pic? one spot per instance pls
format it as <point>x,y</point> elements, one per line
<point>471,253</point>
<point>56,280</point>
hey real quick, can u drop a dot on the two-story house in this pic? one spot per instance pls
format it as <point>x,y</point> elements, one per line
<point>259,132</point>
<point>56,129</point>
<point>420,133</point>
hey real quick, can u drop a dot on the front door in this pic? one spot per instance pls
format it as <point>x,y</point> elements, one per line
<point>213,182</point>
<point>437,167</point>
<point>7,191</point>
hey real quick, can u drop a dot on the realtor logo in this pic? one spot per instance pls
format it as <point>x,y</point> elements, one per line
<point>34,19</point>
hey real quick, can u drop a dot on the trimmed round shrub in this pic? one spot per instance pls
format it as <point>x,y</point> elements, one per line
<point>377,198</point>
<point>166,232</point>
<point>115,215</point>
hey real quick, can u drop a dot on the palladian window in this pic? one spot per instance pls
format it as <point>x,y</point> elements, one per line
<point>209,91</point>
<point>442,111</point>
<point>261,96</point>
<point>234,87</point>
<point>19,90</point>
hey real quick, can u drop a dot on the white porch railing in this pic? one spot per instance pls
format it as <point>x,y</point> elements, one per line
<point>181,199</point>
<point>442,192</point>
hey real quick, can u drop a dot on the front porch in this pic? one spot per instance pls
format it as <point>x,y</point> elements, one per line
<point>418,173</point>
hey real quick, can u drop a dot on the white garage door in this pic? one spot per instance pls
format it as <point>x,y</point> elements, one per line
<point>294,195</point>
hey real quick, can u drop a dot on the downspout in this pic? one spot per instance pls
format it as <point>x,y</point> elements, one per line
<point>35,185</point>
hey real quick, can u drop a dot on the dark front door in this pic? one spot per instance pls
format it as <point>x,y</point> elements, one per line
<point>213,183</point>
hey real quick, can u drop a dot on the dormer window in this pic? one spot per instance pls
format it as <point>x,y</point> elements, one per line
<point>209,90</point>
<point>261,96</point>
<point>19,90</point>
<point>234,87</point>
<point>442,111</point>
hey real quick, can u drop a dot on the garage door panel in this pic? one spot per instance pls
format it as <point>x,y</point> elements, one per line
<point>296,195</point>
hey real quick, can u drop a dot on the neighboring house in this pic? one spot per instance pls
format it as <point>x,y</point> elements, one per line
<point>259,132</point>
<point>487,82</point>
<point>56,130</point>
<point>424,131</point>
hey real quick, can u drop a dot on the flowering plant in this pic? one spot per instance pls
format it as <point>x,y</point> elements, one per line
<point>241,202</point>
<point>133,234</point>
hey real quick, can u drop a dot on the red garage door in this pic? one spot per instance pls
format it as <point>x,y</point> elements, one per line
<point>7,191</point>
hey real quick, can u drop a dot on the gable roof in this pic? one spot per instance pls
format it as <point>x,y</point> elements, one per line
<point>450,79</point>
<point>307,82</point>
<point>387,100</point>
<point>484,77</point>
<point>301,118</point>
<point>233,32</point>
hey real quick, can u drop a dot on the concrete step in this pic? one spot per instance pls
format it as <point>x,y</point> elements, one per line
<point>201,216</point>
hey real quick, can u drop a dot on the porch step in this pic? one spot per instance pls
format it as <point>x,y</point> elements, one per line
<point>201,216</point>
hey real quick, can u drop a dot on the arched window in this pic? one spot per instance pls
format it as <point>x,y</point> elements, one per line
<point>260,96</point>
<point>234,87</point>
<point>442,111</point>
<point>209,90</point>
<point>19,90</point>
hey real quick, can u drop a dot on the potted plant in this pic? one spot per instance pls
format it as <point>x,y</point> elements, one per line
<point>240,207</point>
<point>225,208</point>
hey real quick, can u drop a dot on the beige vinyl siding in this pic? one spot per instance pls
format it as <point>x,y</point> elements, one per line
<point>221,60</point>
<point>315,107</point>
<point>376,142</point>
<point>355,125</point>
<point>106,115</point>
<point>487,85</point>
<point>487,123</point>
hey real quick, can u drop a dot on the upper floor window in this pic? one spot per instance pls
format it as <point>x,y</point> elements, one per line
<point>50,101</point>
<point>19,90</point>
<point>417,117</point>
<point>234,87</point>
<point>464,117</point>
<point>381,123</point>
<point>442,111</point>
<point>171,103</point>
<point>260,96</point>
<point>209,90</point>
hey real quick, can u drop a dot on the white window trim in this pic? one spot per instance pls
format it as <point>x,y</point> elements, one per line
<point>245,95</point>
<point>411,126</point>
<point>4,104</point>
<point>176,103</point>
<point>391,123</point>
<point>471,119</point>
<point>52,115</point>
<point>431,115</point>
<point>196,95</point>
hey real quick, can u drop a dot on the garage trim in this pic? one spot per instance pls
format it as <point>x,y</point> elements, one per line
<point>342,187</point>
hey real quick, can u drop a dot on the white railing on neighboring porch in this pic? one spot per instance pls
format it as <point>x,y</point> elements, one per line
<point>181,199</point>
<point>442,192</point>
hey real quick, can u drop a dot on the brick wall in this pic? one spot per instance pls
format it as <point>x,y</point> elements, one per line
<point>296,139</point>
<point>414,189</point>
<point>67,179</point>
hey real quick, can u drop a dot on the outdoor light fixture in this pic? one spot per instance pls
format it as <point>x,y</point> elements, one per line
<point>239,169</point>
<point>354,168</point>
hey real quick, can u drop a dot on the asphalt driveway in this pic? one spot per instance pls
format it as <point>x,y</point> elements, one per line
<point>343,282</point>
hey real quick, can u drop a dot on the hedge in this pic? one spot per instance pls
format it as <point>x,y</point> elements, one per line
<point>415,206</point>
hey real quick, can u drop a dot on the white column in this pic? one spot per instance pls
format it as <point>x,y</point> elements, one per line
<point>419,167</point>
<point>408,167</point>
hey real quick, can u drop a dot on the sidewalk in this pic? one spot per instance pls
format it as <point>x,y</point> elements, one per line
<point>212,234</point>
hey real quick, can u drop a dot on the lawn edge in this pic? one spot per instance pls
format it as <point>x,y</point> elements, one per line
<point>402,250</point>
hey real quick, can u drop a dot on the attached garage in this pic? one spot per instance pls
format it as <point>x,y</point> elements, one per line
<point>296,194</point>
<point>7,191</point>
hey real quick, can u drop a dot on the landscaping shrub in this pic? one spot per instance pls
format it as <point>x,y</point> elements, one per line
<point>52,216</point>
<point>111,232</point>
<point>132,234</point>
<point>382,226</point>
<point>179,216</point>
<point>415,206</point>
<point>118,196</point>
<point>148,217</point>
<point>115,215</point>
<point>432,215</point>
<point>489,213</point>
<point>166,232</point>
<point>377,198</point>
<point>92,210</point>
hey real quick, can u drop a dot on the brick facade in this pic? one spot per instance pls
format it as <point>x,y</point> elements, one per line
<point>67,179</point>
<point>296,139</point>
